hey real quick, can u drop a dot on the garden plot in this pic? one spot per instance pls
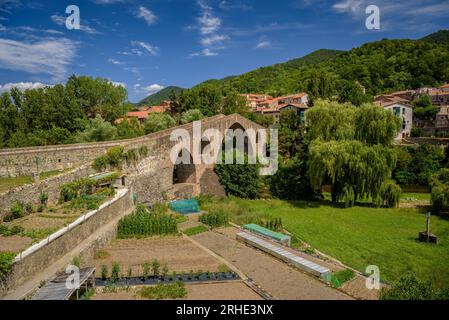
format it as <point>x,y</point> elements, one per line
<point>210,291</point>
<point>179,254</point>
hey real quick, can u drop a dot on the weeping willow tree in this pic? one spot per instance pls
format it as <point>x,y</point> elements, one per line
<point>439,183</point>
<point>356,163</point>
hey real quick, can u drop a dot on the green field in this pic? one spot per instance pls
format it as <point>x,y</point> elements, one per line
<point>11,183</point>
<point>363,236</point>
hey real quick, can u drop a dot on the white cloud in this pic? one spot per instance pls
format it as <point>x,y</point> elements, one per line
<point>46,56</point>
<point>22,86</point>
<point>207,41</point>
<point>209,26</point>
<point>150,89</point>
<point>116,62</point>
<point>234,5</point>
<point>204,53</point>
<point>132,52</point>
<point>147,15</point>
<point>264,45</point>
<point>60,20</point>
<point>152,50</point>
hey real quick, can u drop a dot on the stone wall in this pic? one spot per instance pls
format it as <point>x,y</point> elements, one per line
<point>30,193</point>
<point>55,250</point>
<point>26,161</point>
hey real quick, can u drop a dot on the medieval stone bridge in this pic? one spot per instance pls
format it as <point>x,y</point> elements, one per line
<point>153,178</point>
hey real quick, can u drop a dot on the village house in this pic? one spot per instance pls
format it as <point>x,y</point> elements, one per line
<point>401,109</point>
<point>254,99</point>
<point>144,112</point>
<point>267,105</point>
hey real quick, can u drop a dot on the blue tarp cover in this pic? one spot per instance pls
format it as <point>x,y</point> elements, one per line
<point>185,206</point>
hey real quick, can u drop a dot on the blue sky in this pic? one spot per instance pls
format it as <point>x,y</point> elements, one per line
<point>148,45</point>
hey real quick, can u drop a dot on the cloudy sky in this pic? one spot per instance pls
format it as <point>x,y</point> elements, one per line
<point>148,45</point>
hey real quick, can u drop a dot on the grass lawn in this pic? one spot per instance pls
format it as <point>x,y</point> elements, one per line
<point>363,236</point>
<point>9,183</point>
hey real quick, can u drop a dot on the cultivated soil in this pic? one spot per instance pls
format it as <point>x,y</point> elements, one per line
<point>274,276</point>
<point>179,254</point>
<point>235,290</point>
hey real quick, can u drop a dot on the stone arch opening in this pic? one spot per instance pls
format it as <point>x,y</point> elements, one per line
<point>184,172</point>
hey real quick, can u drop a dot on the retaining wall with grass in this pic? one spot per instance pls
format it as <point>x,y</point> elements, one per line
<point>41,255</point>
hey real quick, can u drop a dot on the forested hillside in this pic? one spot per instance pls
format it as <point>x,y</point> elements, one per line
<point>376,67</point>
<point>158,97</point>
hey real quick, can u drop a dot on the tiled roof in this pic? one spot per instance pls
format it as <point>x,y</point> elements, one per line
<point>445,86</point>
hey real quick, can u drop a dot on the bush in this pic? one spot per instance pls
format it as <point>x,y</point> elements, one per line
<point>240,180</point>
<point>144,222</point>
<point>104,272</point>
<point>29,208</point>
<point>17,210</point>
<point>215,219</point>
<point>6,262</point>
<point>115,272</point>
<point>43,198</point>
<point>100,163</point>
<point>115,156</point>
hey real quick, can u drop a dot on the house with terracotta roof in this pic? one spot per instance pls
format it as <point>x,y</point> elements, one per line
<point>253,100</point>
<point>144,112</point>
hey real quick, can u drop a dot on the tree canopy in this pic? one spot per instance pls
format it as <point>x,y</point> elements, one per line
<point>355,162</point>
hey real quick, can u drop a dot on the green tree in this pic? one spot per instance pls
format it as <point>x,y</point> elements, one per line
<point>158,122</point>
<point>97,130</point>
<point>191,116</point>
<point>240,180</point>
<point>356,164</point>
<point>129,128</point>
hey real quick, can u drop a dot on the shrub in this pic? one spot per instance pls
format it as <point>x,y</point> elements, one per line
<point>144,222</point>
<point>6,262</point>
<point>43,198</point>
<point>115,272</point>
<point>146,270</point>
<point>115,156</point>
<point>155,267</point>
<point>75,189</point>
<point>29,208</point>
<point>215,219</point>
<point>191,116</point>
<point>76,261</point>
<point>17,210</point>
<point>240,180</point>
<point>100,163</point>
<point>40,208</point>
<point>104,272</point>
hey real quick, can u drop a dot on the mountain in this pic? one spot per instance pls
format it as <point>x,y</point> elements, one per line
<point>156,98</point>
<point>441,36</point>
<point>378,67</point>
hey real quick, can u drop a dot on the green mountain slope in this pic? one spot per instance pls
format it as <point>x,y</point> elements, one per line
<point>157,98</point>
<point>381,66</point>
<point>441,36</point>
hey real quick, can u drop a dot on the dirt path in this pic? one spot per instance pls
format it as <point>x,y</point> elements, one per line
<point>274,276</point>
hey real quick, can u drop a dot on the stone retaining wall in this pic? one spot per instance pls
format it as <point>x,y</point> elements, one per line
<point>53,251</point>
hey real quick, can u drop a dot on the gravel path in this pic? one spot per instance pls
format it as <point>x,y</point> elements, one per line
<point>276,277</point>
